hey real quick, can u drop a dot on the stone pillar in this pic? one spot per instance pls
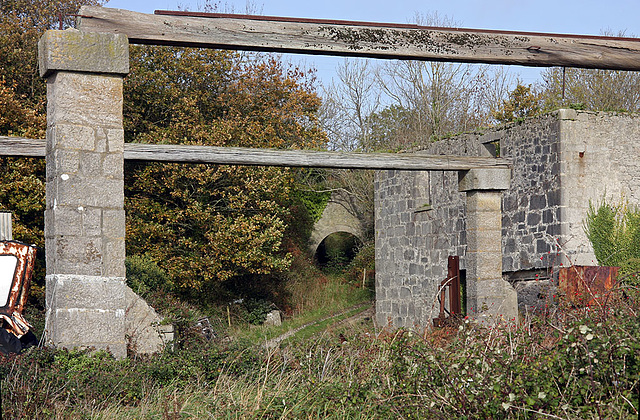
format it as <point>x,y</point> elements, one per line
<point>84,216</point>
<point>490,299</point>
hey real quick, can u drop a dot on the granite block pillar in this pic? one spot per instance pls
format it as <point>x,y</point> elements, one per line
<point>490,299</point>
<point>84,216</point>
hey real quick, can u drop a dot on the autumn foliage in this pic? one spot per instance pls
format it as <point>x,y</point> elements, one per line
<point>206,223</point>
<point>201,223</point>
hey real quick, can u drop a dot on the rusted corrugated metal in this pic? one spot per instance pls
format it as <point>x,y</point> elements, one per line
<point>18,288</point>
<point>585,285</point>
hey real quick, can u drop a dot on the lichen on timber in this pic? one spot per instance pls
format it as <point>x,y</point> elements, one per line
<point>354,37</point>
<point>466,39</point>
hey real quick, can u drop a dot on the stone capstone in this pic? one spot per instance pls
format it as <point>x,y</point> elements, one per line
<point>86,52</point>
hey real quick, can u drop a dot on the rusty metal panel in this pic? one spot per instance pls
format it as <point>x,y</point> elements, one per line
<point>585,285</point>
<point>11,312</point>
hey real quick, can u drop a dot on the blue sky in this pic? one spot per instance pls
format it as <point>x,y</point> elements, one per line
<point>585,17</point>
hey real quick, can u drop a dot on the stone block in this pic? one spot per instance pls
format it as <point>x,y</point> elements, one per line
<point>113,223</point>
<point>66,161</point>
<point>87,100</point>
<point>113,166</point>
<point>485,221</point>
<point>74,255</point>
<point>534,294</point>
<point>89,292</point>
<point>533,219</point>
<point>87,328</point>
<point>91,220</point>
<point>484,179</point>
<point>71,136</point>
<point>537,202</point>
<point>483,265</point>
<point>62,221</point>
<point>143,329</point>
<point>497,302</point>
<point>567,114</point>
<point>115,140</point>
<point>484,240</point>
<point>91,164</point>
<point>77,51</point>
<point>86,311</point>
<point>483,202</point>
<point>76,190</point>
<point>113,257</point>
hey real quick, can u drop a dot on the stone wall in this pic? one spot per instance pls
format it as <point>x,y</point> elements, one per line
<point>599,157</point>
<point>415,233</point>
<point>561,160</point>
<point>339,215</point>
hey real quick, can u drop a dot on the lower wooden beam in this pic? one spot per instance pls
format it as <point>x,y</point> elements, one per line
<point>17,146</point>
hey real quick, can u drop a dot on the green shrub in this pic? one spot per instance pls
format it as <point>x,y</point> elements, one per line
<point>614,233</point>
<point>144,275</point>
<point>315,202</point>
<point>365,260</point>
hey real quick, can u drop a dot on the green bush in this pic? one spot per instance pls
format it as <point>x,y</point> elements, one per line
<point>315,202</point>
<point>144,275</point>
<point>614,233</point>
<point>365,260</point>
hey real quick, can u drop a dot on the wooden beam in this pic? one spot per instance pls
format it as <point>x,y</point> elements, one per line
<point>22,147</point>
<point>16,146</point>
<point>306,36</point>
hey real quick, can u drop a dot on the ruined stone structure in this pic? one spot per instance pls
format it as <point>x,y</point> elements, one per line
<point>338,216</point>
<point>503,224</point>
<point>561,161</point>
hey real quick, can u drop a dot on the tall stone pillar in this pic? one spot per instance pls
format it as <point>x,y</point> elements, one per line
<point>490,299</point>
<point>84,216</point>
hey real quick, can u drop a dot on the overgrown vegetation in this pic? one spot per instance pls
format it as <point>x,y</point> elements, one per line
<point>227,244</point>
<point>568,363</point>
<point>614,232</point>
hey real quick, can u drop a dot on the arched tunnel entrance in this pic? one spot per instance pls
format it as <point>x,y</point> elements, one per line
<point>337,250</point>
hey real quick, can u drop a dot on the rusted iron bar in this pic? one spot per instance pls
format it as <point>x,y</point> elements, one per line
<point>365,39</point>
<point>452,284</point>
<point>453,272</point>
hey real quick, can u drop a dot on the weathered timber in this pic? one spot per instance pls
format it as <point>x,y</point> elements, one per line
<point>16,146</point>
<point>22,147</point>
<point>412,42</point>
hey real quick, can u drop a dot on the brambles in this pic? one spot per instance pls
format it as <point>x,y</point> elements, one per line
<point>572,364</point>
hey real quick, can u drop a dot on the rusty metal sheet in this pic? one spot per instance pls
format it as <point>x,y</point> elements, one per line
<point>18,290</point>
<point>587,285</point>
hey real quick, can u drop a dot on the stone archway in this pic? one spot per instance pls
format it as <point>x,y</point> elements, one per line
<point>338,216</point>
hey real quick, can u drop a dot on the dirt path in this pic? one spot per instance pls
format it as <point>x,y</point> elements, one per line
<point>369,312</point>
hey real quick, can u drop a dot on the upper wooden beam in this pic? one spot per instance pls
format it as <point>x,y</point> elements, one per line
<point>17,146</point>
<point>412,42</point>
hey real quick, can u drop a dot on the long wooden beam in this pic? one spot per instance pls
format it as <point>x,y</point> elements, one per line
<point>18,146</point>
<point>307,36</point>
